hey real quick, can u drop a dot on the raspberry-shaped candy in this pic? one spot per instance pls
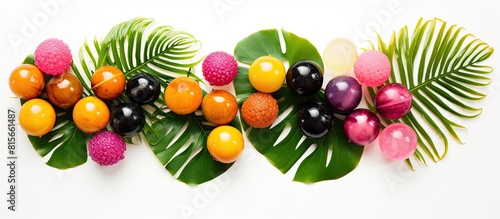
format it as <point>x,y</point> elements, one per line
<point>219,68</point>
<point>106,148</point>
<point>372,68</point>
<point>53,57</point>
<point>260,110</point>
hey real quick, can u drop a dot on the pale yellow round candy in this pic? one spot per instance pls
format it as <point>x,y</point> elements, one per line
<point>340,55</point>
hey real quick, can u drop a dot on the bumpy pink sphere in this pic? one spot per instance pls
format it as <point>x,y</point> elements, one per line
<point>398,141</point>
<point>219,68</point>
<point>393,101</point>
<point>53,57</point>
<point>372,68</point>
<point>106,148</point>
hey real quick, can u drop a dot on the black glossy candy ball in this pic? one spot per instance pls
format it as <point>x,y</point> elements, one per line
<point>143,88</point>
<point>127,119</point>
<point>304,78</point>
<point>315,119</point>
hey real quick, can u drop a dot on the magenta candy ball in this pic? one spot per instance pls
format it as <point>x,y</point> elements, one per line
<point>393,101</point>
<point>398,141</point>
<point>361,126</point>
<point>343,94</point>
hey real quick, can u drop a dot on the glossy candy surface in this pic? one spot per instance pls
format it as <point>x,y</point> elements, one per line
<point>393,101</point>
<point>267,74</point>
<point>143,88</point>
<point>127,119</point>
<point>108,82</point>
<point>26,81</point>
<point>219,107</point>
<point>90,114</point>
<point>343,94</point>
<point>398,141</point>
<point>183,95</point>
<point>304,78</point>
<point>362,126</point>
<point>225,144</point>
<point>37,117</point>
<point>315,119</point>
<point>64,90</point>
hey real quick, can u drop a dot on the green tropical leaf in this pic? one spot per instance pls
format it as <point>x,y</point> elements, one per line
<point>179,142</point>
<point>283,143</point>
<point>137,46</point>
<point>441,66</point>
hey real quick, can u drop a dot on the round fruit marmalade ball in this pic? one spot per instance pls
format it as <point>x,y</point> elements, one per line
<point>64,90</point>
<point>398,141</point>
<point>225,144</point>
<point>340,55</point>
<point>106,148</point>
<point>108,82</point>
<point>37,117</point>
<point>372,68</point>
<point>343,93</point>
<point>219,68</point>
<point>26,81</point>
<point>267,74</point>
<point>90,114</point>
<point>53,56</point>
<point>219,107</point>
<point>260,110</point>
<point>362,126</point>
<point>393,101</point>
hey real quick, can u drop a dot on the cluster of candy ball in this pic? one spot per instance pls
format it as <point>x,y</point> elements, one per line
<point>92,114</point>
<point>343,94</point>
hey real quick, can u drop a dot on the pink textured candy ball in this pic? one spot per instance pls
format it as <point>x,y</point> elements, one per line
<point>219,68</point>
<point>106,148</point>
<point>398,141</point>
<point>372,68</point>
<point>53,57</point>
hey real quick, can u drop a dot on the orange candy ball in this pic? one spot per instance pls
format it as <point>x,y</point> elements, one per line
<point>260,110</point>
<point>225,144</point>
<point>183,95</point>
<point>26,81</point>
<point>64,90</point>
<point>90,114</point>
<point>108,82</point>
<point>37,117</point>
<point>219,107</point>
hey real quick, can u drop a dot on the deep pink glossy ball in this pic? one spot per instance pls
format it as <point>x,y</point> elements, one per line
<point>398,141</point>
<point>362,126</point>
<point>393,101</point>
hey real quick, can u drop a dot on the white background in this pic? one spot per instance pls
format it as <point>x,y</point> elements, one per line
<point>464,185</point>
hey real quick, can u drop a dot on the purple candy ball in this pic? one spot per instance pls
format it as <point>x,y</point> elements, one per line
<point>343,94</point>
<point>362,126</point>
<point>398,141</point>
<point>393,101</point>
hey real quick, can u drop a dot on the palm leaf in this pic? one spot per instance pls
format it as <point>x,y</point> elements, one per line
<point>441,66</point>
<point>283,143</point>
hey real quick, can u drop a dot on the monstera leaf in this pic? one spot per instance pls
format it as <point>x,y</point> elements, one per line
<point>283,144</point>
<point>441,66</point>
